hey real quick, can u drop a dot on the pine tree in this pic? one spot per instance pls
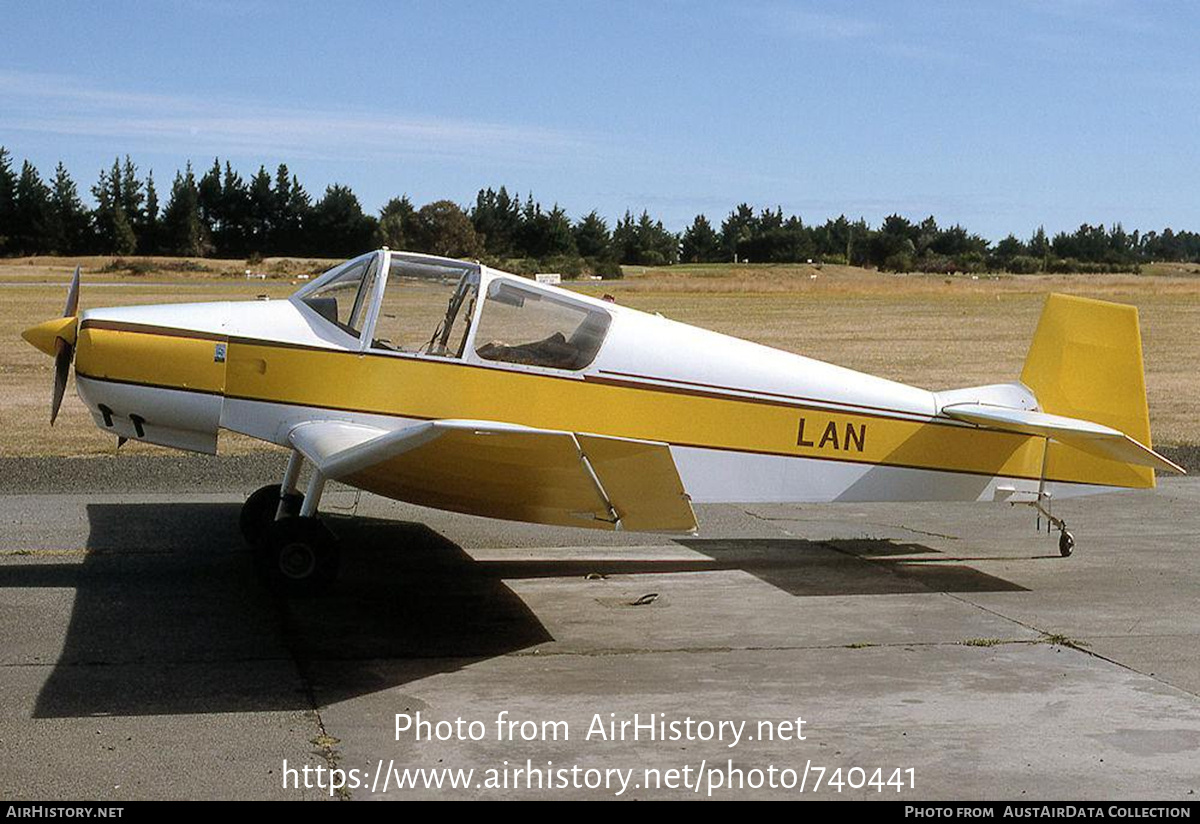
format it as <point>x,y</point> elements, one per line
<point>281,196</point>
<point>701,244</point>
<point>592,238</point>
<point>31,218</point>
<point>124,238</point>
<point>497,219</point>
<point>737,229</point>
<point>233,217</point>
<point>1004,253</point>
<point>68,218</point>
<point>1039,246</point>
<point>339,226</point>
<point>625,240</point>
<point>927,234</point>
<point>260,202</point>
<point>150,234</point>
<point>560,240</point>
<point>183,229</point>
<point>208,198</point>
<point>115,233</point>
<point>532,239</point>
<point>656,246</point>
<point>833,239</point>
<point>299,217</point>
<point>131,196</point>
<point>8,193</point>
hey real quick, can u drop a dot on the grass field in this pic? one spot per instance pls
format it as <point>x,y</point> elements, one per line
<point>932,331</point>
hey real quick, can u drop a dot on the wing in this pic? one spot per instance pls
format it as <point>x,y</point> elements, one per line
<point>1086,436</point>
<point>506,471</point>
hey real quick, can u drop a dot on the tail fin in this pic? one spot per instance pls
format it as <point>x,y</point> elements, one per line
<point>1086,362</point>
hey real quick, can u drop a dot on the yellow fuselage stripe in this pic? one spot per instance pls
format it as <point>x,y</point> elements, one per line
<point>433,389</point>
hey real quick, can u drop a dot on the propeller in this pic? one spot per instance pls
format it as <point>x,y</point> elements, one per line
<point>64,351</point>
<point>57,337</point>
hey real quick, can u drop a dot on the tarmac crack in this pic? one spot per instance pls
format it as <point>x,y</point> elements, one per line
<point>78,553</point>
<point>158,662</point>
<point>617,651</point>
<point>916,531</point>
<point>901,527</point>
<point>325,743</point>
<point>1072,644</point>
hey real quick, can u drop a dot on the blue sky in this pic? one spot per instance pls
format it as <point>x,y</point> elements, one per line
<point>998,115</point>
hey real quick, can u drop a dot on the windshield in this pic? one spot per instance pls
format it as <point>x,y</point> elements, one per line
<point>427,305</point>
<point>345,297</point>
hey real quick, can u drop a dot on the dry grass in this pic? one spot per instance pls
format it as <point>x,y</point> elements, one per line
<point>35,269</point>
<point>930,331</point>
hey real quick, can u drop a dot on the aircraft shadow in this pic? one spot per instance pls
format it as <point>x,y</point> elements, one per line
<point>868,566</point>
<point>169,619</point>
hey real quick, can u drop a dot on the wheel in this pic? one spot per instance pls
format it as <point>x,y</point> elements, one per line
<point>298,557</point>
<point>259,511</point>
<point>1066,543</point>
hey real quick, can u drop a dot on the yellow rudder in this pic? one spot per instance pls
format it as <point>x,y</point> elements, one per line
<point>1086,362</point>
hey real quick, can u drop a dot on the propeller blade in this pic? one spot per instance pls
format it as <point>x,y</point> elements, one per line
<point>62,370</point>
<point>72,307</point>
<point>63,351</point>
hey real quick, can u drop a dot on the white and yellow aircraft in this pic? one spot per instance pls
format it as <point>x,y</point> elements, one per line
<point>452,385</point>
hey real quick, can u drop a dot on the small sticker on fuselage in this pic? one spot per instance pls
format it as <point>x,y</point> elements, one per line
<point>219,354</point>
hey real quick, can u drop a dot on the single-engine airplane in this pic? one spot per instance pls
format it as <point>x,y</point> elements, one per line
<point>452,385</point>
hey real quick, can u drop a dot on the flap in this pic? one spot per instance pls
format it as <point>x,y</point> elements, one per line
<point>507,471</point>
<point>1087,436</point>
<point>641,480</point>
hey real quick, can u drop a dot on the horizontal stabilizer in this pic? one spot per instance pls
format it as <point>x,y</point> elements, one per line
<point>1087,436</point>
<point>500,470</point>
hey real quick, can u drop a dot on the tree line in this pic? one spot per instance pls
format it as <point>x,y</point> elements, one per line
<point>220,213</point>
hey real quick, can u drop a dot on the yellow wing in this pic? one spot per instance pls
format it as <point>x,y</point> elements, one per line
<point>506,471</point>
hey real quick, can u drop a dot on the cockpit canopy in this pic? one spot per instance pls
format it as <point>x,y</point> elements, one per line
<point>400,302</point>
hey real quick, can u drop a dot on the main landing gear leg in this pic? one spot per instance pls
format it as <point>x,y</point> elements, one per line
<point>295,554</point>
<point>272,502</point>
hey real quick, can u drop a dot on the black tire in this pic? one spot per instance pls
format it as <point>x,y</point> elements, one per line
<point>298,557</point>
<point>259,511</point>
<point>1066,543</point>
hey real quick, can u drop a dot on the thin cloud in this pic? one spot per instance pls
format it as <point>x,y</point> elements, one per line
<point>61,105</point>
<point>1106,14</point>
<point>840,28</point>
<point>806,22</point>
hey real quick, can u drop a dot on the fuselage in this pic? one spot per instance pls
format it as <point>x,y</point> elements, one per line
<point>745,422</point>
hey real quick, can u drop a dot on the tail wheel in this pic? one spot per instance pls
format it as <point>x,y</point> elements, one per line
<point>298,557</point>
<point>258,513</point>
<point>1066,543</point>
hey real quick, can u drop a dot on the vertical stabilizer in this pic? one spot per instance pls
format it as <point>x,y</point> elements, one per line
<point>1086,362</point>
